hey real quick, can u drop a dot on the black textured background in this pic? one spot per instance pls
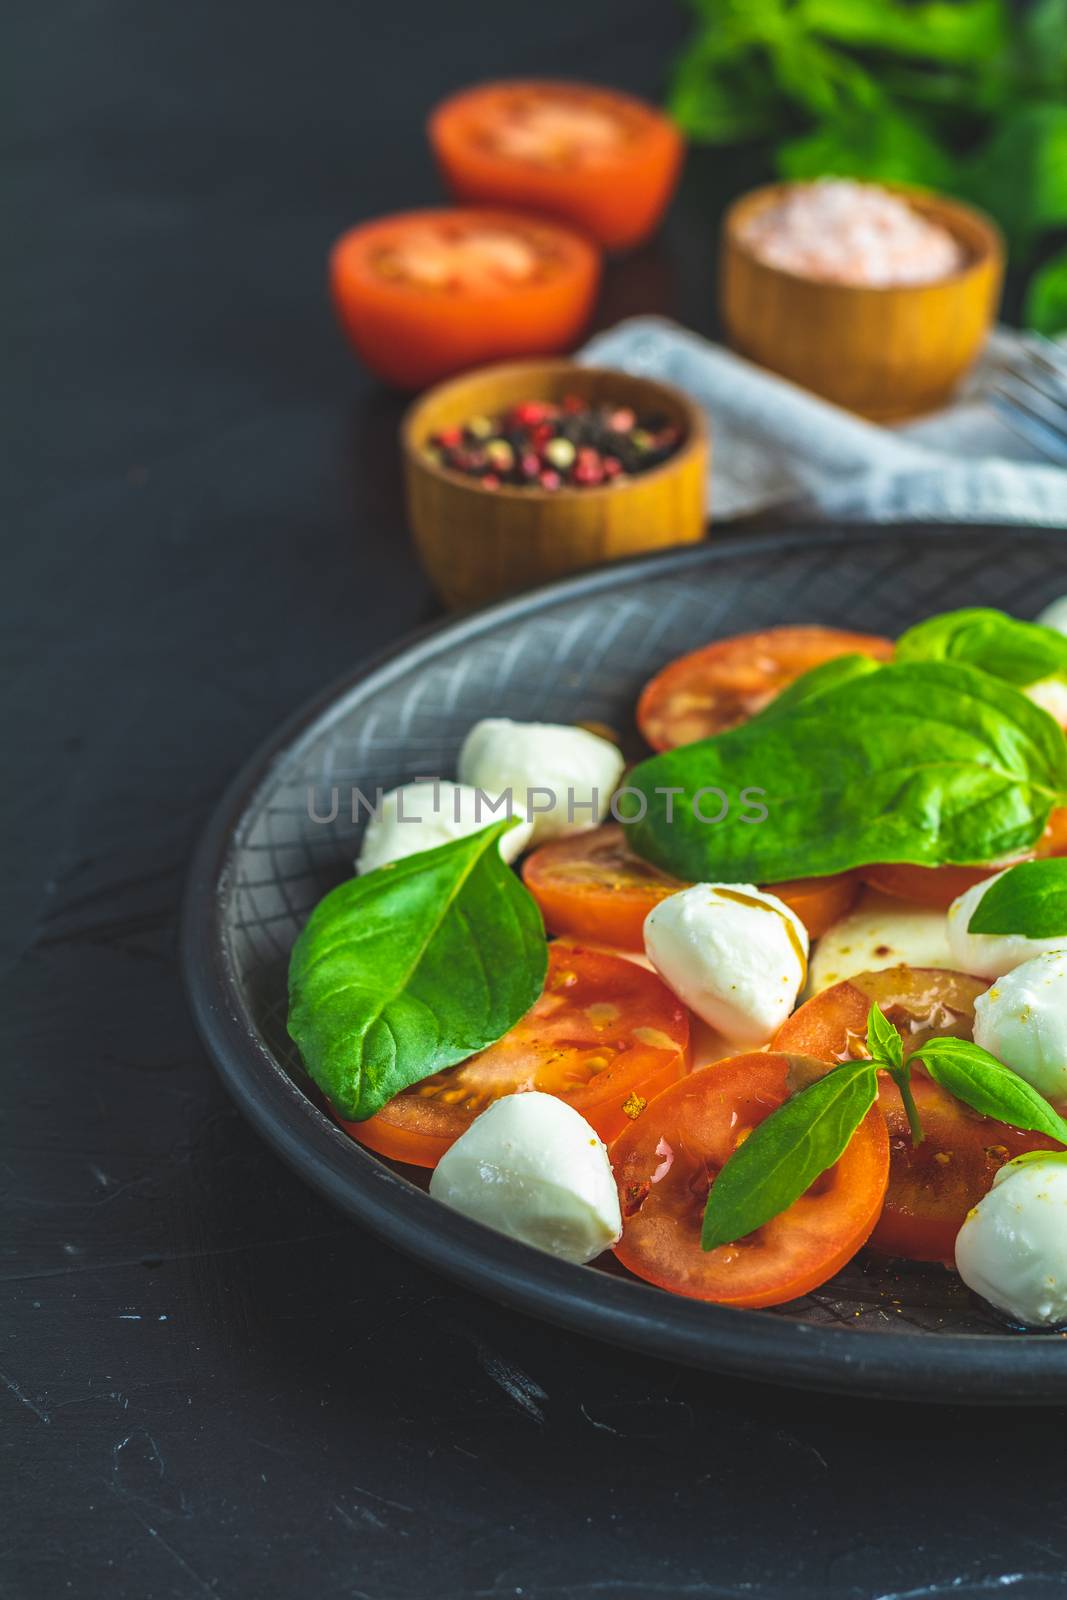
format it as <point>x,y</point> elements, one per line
<point>213,1385</point>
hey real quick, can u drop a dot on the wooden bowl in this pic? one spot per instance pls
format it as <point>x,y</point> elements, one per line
<point>477,544</point>
<point>884,352</point>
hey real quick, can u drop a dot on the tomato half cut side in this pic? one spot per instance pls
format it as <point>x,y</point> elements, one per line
<point>606,1036</point>
<point>590,887</point>
<point>425,294</point>
<point>939,886</point>
<point>726,683</point>
<point>603,161</point>
<point>666,1163</point>
<point>932,1186</point>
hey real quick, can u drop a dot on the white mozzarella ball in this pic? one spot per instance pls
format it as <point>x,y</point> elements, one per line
<point>533,1168</point>
<point>1012,1249</point>
<point>420,816</point>
<point>732,953</point>
<point>1054,615</point>
<point>988,955</point>
<point>880,931</point>
<point>561,777</point>
<point>1051,695</point>
<point>1022,1020</point>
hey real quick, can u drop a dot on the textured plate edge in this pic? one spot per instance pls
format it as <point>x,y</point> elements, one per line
<point>1000,1370</point>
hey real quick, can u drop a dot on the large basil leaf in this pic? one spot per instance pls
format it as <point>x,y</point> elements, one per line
<point>413,968</point>
<point>786,1152</point>
<point>1030,899</point>
<point>1019,652</point>
<point>919,762</point>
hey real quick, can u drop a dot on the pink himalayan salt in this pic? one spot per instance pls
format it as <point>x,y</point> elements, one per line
<point>855,233</point>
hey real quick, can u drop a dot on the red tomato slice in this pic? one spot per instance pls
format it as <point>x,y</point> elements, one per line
<point>593,157</point>
<point>932,1186</point>
<point>425,294</point>
<point>606,1036</point>
<point>592,888</point>
<point>939,886</point>
<point>667,1161</point>
<point>728,682</point>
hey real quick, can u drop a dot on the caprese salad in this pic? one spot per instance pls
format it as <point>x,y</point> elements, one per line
<point>792,986</point>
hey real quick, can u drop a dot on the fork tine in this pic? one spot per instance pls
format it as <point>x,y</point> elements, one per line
<point>1051,442</point>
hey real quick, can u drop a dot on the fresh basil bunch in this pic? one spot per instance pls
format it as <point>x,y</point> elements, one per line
<point>969,96</point>
<point>414,968</point>
<point>784,1154</point>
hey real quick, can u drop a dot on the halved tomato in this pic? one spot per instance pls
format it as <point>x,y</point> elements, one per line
<point>726,683</point>
<point>425,294</point>
<point>606,1036</point>
<point>939,886</point>
<point>591,887</point>
<point>932,1186</point>
<point>592,156</point>
<point>667,1162</point>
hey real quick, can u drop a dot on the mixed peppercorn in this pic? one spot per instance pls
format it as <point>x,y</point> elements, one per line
<point>538,444</point>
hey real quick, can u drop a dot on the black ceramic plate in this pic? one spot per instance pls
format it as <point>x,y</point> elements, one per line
<point>576,651</point>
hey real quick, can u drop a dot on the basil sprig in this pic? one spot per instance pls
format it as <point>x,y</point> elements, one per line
<point>784,1154</point>
<point>413,968</point>
<point>1030,899</point>
<point>922,762</point>
<point>987,1086</point>
<point>1019,652</point>
<point>787,1151</point>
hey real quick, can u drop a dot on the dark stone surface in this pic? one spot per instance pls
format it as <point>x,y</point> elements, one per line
<point>214,1385</point>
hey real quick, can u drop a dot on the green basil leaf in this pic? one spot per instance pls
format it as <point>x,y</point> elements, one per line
<point>934,30</point>
<point>883,1040</point>
<point>413,968</point>
<point>1020,173</point>
<point>1019,652</point>
<point>921,762</point>
<point>783,1156</point>
<point>1046,297</point>
<point>887,145</point>
<point>987,1086</point>
<point>838,670</point>
<point>1030,899</point>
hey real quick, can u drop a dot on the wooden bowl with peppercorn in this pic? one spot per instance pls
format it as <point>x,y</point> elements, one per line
<point>520,473</point>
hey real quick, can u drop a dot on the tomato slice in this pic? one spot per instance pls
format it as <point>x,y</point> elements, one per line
<point>592,888</point>
<point>932,1186</point>
<point>606,1036</point>
<point>590,156</point>
<point>939,886</point>
<point>425,294</point>
<point>726,683</point>
<point>667,1161</point>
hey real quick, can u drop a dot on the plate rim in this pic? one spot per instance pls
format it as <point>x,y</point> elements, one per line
<point>991,1369</point>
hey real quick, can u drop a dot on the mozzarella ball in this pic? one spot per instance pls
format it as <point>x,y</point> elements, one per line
<point>1022,1020</point>
<point>419,816</point>
<point>732,953</point>
<point>533,1168</point>
<point>572,773</point>
<point>1054,615</point>
<point>1012,1249</point>
<point>1051,695</point>
<point>880,931</point>
<point>989,955</point>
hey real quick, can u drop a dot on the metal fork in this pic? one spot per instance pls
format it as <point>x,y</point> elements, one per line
<point>1029,393</point>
